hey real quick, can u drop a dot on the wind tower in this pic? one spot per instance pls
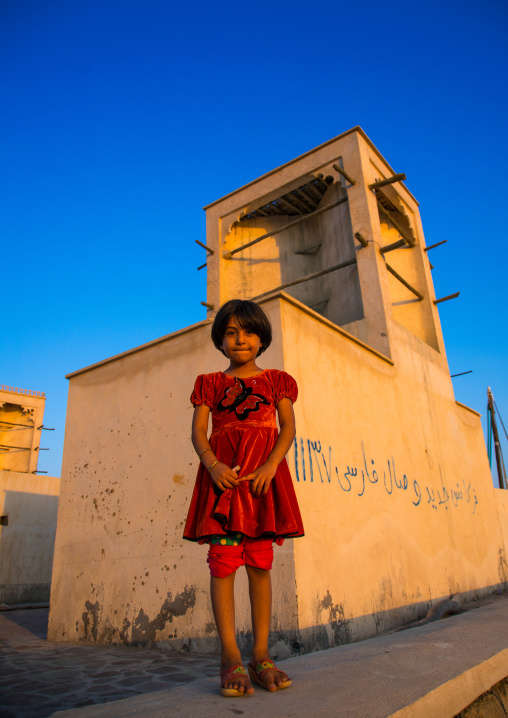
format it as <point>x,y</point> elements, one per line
<point>337,230</point>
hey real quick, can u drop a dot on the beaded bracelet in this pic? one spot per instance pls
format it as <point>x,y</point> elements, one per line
<point>204,452</point>
<point>212,465</point>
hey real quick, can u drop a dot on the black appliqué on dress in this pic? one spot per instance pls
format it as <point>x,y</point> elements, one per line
<point>241,396</point>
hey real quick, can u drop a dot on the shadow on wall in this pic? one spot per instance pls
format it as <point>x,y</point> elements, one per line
<point>27,540</point>
<point>337,630</point>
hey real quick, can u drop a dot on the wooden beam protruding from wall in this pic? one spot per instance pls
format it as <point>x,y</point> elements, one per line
<point>210,251</point>
<point>394,245</point>
<point>314,275</point>
<point>444,299</point>
<point>390,180</point>
<point>403,281</point>
<point>344,174</point>
<point>435,245</point>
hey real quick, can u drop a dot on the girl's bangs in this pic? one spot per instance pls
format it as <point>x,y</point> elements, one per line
<point>246,320</point>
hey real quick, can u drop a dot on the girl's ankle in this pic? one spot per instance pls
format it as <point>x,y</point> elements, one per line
<point>259,656</point>
<point>230,659</point>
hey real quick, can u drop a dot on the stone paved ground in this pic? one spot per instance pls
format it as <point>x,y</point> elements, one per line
<point>38,678</point>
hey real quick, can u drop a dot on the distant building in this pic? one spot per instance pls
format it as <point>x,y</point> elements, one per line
<point>21,414</point>
<point>28,502</point>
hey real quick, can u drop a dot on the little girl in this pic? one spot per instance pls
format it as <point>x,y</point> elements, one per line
<point>244,498</point>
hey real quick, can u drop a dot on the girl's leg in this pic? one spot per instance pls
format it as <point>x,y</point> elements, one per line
<point>260,591</point>
<point>223,604</point>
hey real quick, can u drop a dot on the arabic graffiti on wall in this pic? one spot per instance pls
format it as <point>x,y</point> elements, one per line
<point>314,464</point>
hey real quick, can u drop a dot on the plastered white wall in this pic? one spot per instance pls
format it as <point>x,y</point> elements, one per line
<point>28,506</point>
<point>393,483</point>
<point>122,572</point>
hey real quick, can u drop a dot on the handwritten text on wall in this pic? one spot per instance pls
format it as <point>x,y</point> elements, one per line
<point>314,464</point>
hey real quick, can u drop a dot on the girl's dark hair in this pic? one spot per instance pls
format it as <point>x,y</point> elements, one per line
<point>248,315</point>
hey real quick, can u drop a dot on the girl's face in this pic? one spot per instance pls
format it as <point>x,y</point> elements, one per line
<point>240,345</point>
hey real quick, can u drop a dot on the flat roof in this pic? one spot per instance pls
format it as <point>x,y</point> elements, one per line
<point>205,322</point>
<point>305,154</point>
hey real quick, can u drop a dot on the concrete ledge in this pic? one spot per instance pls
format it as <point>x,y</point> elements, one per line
<point>455,695</point>
<point>323,320</point>
<point>142,347</point>
<point>468,408</point>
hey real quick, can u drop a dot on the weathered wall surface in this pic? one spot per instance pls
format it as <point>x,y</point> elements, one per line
<point>122,572</point>
<point>502,508</point>
<point>391,474</point>
<point>393,482</point>
<point>28,506</point>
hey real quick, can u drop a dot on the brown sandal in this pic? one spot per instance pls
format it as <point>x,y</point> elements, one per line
<point>258,672</point>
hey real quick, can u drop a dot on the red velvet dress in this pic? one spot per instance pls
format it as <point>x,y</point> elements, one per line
<point>244,432</point>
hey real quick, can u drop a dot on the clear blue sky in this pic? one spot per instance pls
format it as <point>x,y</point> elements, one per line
<point>121,119</point>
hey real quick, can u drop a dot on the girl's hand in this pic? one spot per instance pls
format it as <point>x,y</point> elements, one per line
<point>261,478</point>
<point>224,477</point>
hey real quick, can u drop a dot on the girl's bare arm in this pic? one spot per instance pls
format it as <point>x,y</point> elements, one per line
<point>263,475</point>
<point>222,475</point>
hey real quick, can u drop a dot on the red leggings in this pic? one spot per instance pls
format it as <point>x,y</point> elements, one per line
<point>224,560</point>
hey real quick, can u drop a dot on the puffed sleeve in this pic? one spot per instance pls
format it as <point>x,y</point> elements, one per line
<point>203,391</point>
<point>284,386</point>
